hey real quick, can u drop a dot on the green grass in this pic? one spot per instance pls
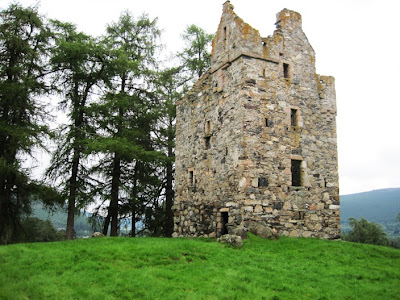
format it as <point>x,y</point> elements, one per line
<point>157,268</point>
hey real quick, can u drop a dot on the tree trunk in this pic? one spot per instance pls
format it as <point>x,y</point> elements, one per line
<point>114,195</point>
<point>106,223</point>
<point>133,230</point>
<point>78,122</point>
<point>134,197</point>
<point>70,230</point>
<point>169,197</point>
<point>4,196</point>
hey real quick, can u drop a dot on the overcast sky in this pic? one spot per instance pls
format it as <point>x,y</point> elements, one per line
<point>356,41</point>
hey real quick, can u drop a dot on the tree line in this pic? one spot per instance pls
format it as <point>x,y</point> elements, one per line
<point>115,149</point>
<point>362,231</point>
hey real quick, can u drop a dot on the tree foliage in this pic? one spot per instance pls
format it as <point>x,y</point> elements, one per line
<point>117,145</point>
<point>365,232</point>
<point>196,55</point>
<point>24,50</point>
<point>124,119</point>
<point>171,85</point>
<point>78,62</point>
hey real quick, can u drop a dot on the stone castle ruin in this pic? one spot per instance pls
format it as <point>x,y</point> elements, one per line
<point>256,137</point>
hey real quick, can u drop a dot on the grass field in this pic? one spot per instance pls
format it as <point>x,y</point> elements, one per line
<point>157,268</point>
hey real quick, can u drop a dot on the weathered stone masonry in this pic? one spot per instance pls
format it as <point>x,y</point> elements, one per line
<point>256,137</point>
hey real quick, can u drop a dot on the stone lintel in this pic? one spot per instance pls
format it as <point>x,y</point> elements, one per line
<point>296,157</point>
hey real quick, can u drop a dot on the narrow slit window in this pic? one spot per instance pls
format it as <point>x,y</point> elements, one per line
<point>224,33</point>
<point>208,127</point>
<point>285,70</point>
<point>296,172</point>
<point>191,178</point>
<point>266,122</point>
<point>293,117</point>
<point>207,142</point>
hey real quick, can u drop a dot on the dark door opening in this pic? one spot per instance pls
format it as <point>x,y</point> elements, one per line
<point>224,220</point>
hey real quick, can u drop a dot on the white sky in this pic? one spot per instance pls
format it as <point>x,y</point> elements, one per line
<point>356,41</point>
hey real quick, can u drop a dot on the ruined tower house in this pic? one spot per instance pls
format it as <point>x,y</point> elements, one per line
<point>256,137</point>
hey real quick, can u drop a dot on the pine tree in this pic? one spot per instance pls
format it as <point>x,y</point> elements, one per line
<point>125,118</point>
<point>24,44</point>
<point>196,55</point>
<point>171,86</point>
<point>79,63</point>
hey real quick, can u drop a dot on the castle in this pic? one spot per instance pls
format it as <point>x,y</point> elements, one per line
<point>256,137</point>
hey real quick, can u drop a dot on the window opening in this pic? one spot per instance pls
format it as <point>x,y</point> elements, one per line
<point>293,117</point>
<point>191,178</point>
<point>285,70</point>
<point>224,33</point>
<point>207,140</point>
<point>266,122</point>
<point>224,220</point>
<point>262,182</point>
<point>208,127</point>
<point>296,172</point>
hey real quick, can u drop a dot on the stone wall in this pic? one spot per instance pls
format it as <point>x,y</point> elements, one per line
<point>256,137</point>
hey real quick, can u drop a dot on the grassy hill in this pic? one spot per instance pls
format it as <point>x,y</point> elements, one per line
<point>157,268</point>
<point>379,206</point>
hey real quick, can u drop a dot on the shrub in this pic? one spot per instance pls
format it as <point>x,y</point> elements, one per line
<point>365,232</point>
<point>36,230</point>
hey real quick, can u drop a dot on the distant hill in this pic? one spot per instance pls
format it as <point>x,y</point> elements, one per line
<point>379,206</point>
<point>59,219</point>
<point>82,226</point>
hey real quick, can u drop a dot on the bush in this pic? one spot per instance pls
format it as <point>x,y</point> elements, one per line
<point>36,230</point>
<point>365,232</point>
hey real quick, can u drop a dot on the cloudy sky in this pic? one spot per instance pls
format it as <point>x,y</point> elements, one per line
<point>356,41</point>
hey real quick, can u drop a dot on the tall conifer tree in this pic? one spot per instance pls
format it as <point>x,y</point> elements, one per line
<point>196,54</point>
<point>24,44</point>
<point>125,117</point>
<point>78,62</point>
